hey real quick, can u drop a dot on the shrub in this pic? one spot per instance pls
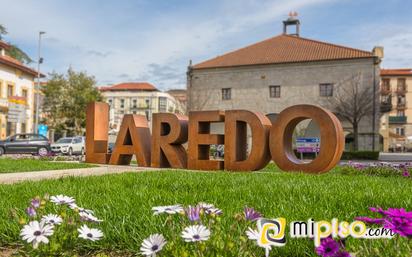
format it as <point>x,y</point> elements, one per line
<point>360,155</point>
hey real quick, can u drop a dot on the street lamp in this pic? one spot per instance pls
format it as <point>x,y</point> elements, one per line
<point>39,61</point>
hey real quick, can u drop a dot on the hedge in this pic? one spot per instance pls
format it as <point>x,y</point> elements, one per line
<point>360,155</point>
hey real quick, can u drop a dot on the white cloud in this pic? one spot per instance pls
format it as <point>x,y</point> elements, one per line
<point>123,41</point>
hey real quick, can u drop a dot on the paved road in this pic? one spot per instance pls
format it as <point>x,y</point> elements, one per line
<point>11,178</point>
<point>395,157</point>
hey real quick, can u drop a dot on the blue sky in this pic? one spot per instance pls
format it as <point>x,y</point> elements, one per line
<point>153,40</point>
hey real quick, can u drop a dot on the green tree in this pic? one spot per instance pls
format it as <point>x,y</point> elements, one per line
<point>65,100</point>
<point>14,51</point>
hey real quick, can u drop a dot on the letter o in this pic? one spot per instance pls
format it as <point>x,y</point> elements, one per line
<point>331,133</point>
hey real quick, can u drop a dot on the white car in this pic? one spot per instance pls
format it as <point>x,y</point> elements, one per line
<point>69,145</point>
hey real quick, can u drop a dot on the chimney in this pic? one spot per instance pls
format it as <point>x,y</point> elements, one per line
<point>378,51</point>
<point>292,21</point>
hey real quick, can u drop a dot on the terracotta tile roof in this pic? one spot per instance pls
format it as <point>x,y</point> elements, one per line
<point>130,86</point>
<point>284,49</point>
<point>4,45</point>
<point>396,72</point>
<point>10,61</point>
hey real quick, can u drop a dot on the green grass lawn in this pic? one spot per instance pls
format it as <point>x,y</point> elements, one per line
<point>8,165</point>
<point>125,201</point>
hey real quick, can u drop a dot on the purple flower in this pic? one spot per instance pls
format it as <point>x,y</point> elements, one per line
<point>328,247</point>
<point>399,213</point>
<point>31,211</point>
<point>373,209</point>
<point>193,213</point>
<point>251,214</point>
<point>406,173</point>
<point>35,203</point>
<point>342,254</point>
<point>401,226</point>
<point>370,220</point>
<point>397,220</point>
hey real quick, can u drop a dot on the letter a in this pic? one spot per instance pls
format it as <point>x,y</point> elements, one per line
<point>134,138</point>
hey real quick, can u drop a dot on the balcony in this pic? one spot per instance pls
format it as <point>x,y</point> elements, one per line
<point>397,119</point>
<point>386,106</point>
<point>385,90</point>
<point>140,106</point>
<point>401,90</point>
<point>401,105</point>
<point>4,103</point>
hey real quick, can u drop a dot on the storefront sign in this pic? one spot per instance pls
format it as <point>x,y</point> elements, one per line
<point>164,146</point>
<point>17,109</point>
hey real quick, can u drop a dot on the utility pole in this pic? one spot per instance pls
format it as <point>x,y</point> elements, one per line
<point>39,61</point>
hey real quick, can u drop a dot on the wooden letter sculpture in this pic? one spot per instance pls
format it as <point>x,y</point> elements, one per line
<point>169,132</point>
<point>332,139</point>
<point>235,140</point>
<point>200,140</point>
<point>133,138</point>
<point>97,129</point>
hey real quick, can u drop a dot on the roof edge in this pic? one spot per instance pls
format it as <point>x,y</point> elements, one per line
<point>279,63</point>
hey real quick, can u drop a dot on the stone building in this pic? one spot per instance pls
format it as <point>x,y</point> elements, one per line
<point>282,71</point>
<point>396,103</point>
<point>137,98</point>
<point>180,95</point>
<point>16,95</point>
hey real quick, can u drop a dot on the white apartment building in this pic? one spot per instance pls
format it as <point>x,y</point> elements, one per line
<point>16,95</point>
<point>137,98</point>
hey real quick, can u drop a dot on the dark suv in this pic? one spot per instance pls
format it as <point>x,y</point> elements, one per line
<point>25,143</point>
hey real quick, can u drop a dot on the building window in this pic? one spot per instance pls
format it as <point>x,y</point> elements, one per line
<point>226,93</point>
<point>24,93</point>
<point>401,84</point>
<point>400,131</point>
<point>162,104</point>
<point>134,103</point>
<point>23,128</point>
<point>122,103</point>
<point>326,89</point>
<point>10,90</point>
<point>274,91</point>
<point>147,115</point>
<point>147,103</point>
<point>386,84</point>
<point>401,113</point>
<point>110,102</point>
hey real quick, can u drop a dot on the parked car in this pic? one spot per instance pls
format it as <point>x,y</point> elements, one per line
<point>69,145</point>
<point>25,143</point>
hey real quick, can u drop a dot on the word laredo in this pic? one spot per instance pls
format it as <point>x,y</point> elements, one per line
<point>164,147</point>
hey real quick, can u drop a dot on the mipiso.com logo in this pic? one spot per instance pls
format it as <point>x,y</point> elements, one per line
<point>272,231</point>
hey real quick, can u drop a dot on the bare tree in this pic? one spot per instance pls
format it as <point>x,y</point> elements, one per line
<point>352,101</point>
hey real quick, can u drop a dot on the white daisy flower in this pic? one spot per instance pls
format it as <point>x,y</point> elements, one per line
<point>169,209</point>
<point>52,219</point>
<point>254,235</point>
<point>74,206</point>
<point>92,234</point>
<point>36,233</point>
<point>152,245</point>
<point>196,233</point>
<point>62,199</point>
<point>88,217</point>
<point>205,206</point>
<point>214,211</point>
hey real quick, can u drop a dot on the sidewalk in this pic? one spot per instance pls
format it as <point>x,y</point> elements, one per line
<point>11,178</point>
